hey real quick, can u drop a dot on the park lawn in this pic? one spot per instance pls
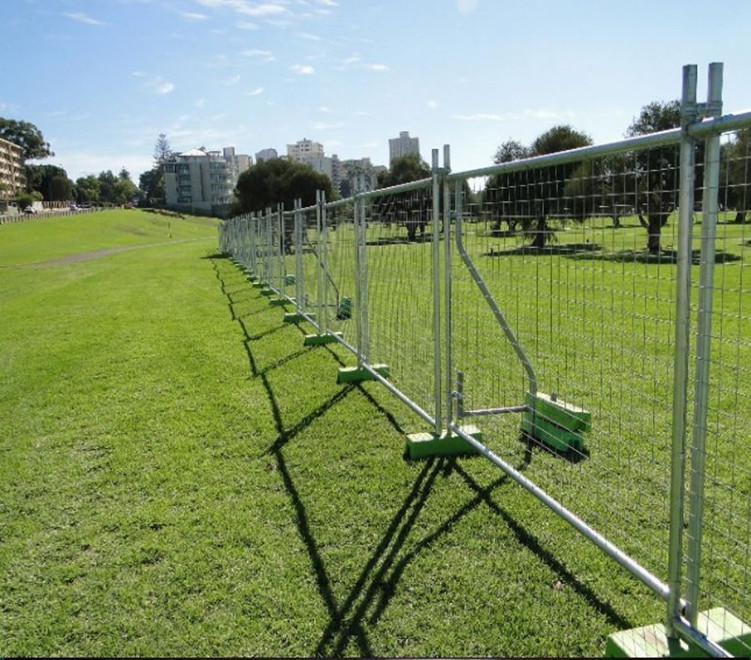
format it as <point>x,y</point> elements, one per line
<point>181,476</point>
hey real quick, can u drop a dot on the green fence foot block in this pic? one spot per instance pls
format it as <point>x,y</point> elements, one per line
<point>358,374</point>
<point>556,423</point>
<point>320,340</point>
<point>424,445</point>
<point>268,292</point>
<point>289,279</point>
<point>278,302</point>
<point>257,284</point>
<point>294,317</point>
<point>718,625</point>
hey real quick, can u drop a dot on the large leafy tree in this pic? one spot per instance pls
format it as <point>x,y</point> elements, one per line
<point>411,209</point>
<point>656,171</point>
<point>27,136</point>
<point>529,197</point>
<point>278,181</point>
<point>50,181</point>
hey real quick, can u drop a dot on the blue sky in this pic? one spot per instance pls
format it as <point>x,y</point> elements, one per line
<point>102,78</point>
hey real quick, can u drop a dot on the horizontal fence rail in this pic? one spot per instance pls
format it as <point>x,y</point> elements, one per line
<point>581,319</point>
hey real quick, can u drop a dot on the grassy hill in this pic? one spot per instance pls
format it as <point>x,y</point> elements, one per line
<point>180,476</point>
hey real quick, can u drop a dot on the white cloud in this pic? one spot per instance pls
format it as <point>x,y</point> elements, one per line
<point>246,7</point>
<point>309,36</point>
<point>157,84</point>
<point>303,69</point>
<point>466,6</point>
<point>432,104</point>
<point>233,80</point>
<point>262,55</point>
<point>85,19</point>
<point>193,16</point>
<point>255,92</point>
<point>545,115</point>
<point>247,25</point>
<point>376,67</point>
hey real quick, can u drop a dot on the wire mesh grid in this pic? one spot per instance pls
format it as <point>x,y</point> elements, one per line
<point>572,256</point>
<point>400,287</point>
<point>725,569</point>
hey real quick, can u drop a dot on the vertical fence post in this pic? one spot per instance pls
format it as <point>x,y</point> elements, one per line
<point>437,383</point>
<point>319,269</point>
<point>363,275</point>
<point>447,286</point>
<point>703,340</point>
<point>680,373</point>
<point>299,275</point>
<point>324,321</point>
<point>281,248</point>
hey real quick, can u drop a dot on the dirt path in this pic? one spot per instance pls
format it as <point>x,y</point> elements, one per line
<point>96,254</point>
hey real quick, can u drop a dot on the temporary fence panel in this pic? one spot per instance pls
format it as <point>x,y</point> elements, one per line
<point>564,304</point>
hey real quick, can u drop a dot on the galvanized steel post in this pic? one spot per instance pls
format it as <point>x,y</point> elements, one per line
<point>703,341</point>
<point>436,241</point>
<point>681,361</point>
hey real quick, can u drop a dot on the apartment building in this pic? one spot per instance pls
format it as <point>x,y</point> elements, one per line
<point>203,181</point>
<point>403,146</point>
<point>310,153</point>
<point>266,154</point>
<point>12,177</point>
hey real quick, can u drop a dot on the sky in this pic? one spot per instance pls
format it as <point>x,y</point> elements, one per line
<point>103,78</point>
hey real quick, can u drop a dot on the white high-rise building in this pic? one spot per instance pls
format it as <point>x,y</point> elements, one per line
<point>403,146</point>
<point>203,180</point>
<point>310,153</point>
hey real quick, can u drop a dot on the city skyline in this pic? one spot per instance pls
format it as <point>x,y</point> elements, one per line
<point>103,80</point>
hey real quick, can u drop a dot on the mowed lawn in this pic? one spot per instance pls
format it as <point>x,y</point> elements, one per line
<point>180,476</point>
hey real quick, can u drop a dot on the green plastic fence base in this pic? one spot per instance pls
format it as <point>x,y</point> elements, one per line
<point>294,317</point>
<point>718,625</point>
<point>252,278</point>
<point>278,302</point>
<point>268,292</point>
<point>357,374</point>
<point>425,445</point>
<point>257,284</point>
<point>320,340</point>
<point>289,279</point>
<point>555,423</point>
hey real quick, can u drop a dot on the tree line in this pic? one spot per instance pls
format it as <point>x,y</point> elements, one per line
<point>51,183</point>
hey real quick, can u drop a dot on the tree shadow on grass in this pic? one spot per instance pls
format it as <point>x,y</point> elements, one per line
<point>375,586</point>
<point>549,250</point>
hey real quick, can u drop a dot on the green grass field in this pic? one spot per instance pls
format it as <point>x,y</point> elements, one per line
<point>181,477</point>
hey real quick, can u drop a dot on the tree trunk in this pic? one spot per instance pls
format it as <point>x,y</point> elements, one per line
<point>654,233</point>
<point>740,216</point>
<point>541,232</point>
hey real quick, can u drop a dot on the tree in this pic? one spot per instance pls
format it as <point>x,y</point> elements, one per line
<point>736,175</point>
<point>278,181</point>
<point>529,197</point>
<point>27,136</point>
<point>656,170</point>
<point>151,185</point>
<point>162,150</point>
<point>411,210</point>
<point>151,182</point>
<point>50,181</point>
<point>88,190</point>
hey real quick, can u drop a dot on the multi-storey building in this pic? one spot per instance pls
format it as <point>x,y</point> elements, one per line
<point>403,146</point>
<point>202,180</point>
<point>354,175</point>
<point>310,153</point>
<point>266,154</point>
<point>12,178</point>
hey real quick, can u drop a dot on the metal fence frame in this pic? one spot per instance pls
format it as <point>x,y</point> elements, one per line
<point>265,259</point>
